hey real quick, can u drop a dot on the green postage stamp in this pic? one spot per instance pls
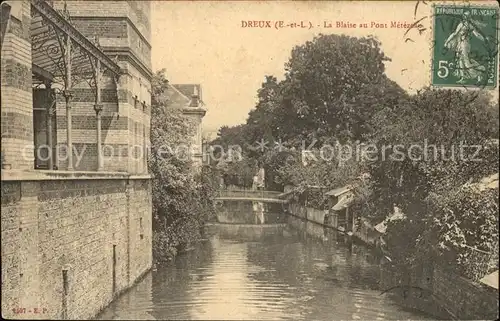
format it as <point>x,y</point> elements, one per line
<point>465,46</point>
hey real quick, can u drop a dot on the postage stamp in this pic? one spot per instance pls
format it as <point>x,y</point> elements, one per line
<point>465,46</point>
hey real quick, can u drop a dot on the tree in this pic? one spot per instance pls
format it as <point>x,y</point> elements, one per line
<point>426,151</point>
<point>262,122</point>
<point>177,219</point>
<point>333,84</point>
<point>426,182</point>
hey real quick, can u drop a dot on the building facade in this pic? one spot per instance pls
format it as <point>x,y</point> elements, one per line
<point>188,98</point>
<point>76,194</point>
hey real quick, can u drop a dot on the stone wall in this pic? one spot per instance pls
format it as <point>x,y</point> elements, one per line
<point>364,232</point>
<point>465,299</point>
<point>440,292</point>
<point>428,287</point>
<point>70,245</point>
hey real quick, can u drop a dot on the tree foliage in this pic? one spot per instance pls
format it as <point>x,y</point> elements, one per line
<point>332,85</point>
<point>323,81</point>
<point>177,219</point>
<point>427,145</point>
<point>454,130</point>
<point>438,133</point>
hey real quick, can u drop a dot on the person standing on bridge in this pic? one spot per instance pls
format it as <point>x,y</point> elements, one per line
<point>255,183</point>
<point>261,179</point>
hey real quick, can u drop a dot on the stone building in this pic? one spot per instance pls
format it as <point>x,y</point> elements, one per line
<point>76,195</point>
<point>188,97</point>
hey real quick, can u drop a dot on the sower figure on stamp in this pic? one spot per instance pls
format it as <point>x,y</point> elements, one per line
<point>459,41</point>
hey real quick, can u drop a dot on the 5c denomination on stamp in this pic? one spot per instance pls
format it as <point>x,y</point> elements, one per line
<point>465,46</point>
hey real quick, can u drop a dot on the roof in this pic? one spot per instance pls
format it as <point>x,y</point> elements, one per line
<point>189,89</point>
<point>47,37</point>
<point>315,187</point>
<point>491,280</point>
<point>488,182</point>
<point>344,202</point>
<point>302,189</point>
<point>339,191</point>
<point>186,93</point>
<point>177,98</point>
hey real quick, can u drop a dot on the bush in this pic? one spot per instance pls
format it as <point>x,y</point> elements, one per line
<point>465,222</point>
<point>182,199</point>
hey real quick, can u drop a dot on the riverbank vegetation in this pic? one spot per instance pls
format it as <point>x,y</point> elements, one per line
<point>335,94</point>
<point>182,198</point>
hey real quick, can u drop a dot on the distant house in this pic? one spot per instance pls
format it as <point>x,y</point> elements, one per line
<point>339,201</point>
<point>188,97</point>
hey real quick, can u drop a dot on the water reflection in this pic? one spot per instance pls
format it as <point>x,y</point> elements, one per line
<point>294,271</point>
<point>238,212</point>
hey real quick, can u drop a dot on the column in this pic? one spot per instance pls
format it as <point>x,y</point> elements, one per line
<point>50,113</point>
<point>68,96</point>
<point>98,110</point>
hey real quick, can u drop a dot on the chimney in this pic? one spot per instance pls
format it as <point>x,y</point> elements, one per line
<point>195,98</point>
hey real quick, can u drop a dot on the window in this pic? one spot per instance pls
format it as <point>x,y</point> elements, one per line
<point>44,128</point>
<point>135,90</point>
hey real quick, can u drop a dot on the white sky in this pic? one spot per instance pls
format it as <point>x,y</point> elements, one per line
<point>204,42</point>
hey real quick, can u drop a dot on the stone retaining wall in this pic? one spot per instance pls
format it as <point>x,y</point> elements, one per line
<point>440,292</point>
<point>365,232</point>
<point>69,246</point>
<point>428,288</point>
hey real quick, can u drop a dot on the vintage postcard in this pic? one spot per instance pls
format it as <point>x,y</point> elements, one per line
<point>249,160</point>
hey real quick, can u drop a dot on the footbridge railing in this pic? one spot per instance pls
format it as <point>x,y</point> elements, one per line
<point>251,195</point>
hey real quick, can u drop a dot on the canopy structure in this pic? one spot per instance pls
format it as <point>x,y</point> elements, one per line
<point>344,201</point>
<point>63,58</point>
<point>60,53</point>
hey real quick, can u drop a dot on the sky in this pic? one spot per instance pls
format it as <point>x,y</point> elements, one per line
<point>206,42</point>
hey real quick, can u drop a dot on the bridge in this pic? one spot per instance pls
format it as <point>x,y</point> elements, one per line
<point>250,195</point>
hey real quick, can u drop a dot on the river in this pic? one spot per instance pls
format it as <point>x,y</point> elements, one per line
<point>263,266</point>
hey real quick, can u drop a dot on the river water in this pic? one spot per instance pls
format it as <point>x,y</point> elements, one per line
<point>264,266</point>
